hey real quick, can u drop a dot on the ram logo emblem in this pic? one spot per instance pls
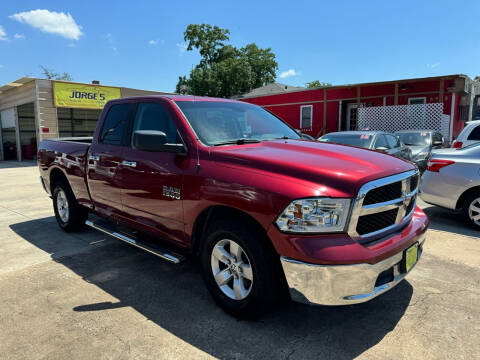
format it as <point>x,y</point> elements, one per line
<point>171,192</point>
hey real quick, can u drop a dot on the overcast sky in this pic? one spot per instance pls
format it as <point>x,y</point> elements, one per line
<point>140,44</point>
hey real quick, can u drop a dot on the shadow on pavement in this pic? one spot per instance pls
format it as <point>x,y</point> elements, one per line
<point>446,220</point>
<point>174,297</point>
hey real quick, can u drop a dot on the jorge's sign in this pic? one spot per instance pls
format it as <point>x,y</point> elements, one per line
<point>83,96</point>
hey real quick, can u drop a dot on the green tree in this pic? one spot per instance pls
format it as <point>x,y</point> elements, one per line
<point>52,75</point>
<point>224,70</point>
<point>317,84</point>
<point>477,78</point>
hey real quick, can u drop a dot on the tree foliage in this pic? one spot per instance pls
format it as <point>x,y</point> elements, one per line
<point>316,84</point>
<point>52,75</point>
<point>224,70</point>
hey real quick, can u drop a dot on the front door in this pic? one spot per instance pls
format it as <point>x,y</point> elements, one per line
<point>104,159</point>
<point>352,113</point>
<point>152,181</point>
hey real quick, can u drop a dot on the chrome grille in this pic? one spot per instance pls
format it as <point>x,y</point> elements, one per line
<point>383,205</point>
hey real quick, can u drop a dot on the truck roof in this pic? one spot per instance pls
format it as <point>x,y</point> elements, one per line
<point>176,97</point>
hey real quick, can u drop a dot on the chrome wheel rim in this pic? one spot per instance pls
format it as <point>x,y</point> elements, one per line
<point>62,206</point>
<point>474,211</point>
<point>231,269</point>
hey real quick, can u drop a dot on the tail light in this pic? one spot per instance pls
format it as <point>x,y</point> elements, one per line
<point>457,145</point>
<point>436,164</point>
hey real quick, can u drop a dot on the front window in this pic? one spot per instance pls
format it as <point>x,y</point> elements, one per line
<point>221,123</point>
<point>361,140</point>
<point>414,138</point>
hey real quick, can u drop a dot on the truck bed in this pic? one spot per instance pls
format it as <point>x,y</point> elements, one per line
<point>69,154</point>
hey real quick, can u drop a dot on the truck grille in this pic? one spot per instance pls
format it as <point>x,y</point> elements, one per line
<point>374,222</point>
<point>383,193</point>
<point>383,205</point>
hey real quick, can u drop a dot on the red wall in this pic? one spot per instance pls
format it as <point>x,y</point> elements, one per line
<point>287,105</point>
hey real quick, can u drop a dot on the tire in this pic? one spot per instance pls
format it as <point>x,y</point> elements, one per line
<point>262,280</point>
<point>471,203</point>
<point>70,215</point>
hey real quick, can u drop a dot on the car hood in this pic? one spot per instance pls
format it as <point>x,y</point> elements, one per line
<point>340,167</point>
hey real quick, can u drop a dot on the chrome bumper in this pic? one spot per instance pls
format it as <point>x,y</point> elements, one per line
<point>342,284</point>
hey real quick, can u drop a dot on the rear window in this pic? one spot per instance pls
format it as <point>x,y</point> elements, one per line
<point>475,134</point>
<point>421,138</point>
<point>361,140</point>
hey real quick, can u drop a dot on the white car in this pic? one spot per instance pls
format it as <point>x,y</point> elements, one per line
<point>469,135</point>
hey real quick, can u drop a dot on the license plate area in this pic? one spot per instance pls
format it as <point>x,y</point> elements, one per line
<point>410,258</point>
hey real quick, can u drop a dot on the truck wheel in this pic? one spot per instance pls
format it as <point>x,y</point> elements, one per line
<point>471,210</point>
<point>240,270</point>
<point>70,216</point>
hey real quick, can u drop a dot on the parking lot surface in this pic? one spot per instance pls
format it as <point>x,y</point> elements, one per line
<point>85,295</point>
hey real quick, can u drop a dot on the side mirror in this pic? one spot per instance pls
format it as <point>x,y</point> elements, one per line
<point>153,140</point>
<point>438,143</point>
<point>381,148</point>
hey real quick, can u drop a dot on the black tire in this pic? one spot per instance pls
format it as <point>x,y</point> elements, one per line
<point>265,291</point>
<point>472,198</point>
<point>77,215</point>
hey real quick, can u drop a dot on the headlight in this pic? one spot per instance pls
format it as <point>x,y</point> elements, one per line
<point>314,215</point>
<point>421,156</point>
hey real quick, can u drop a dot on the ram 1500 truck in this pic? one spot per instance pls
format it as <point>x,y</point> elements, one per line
<point>261,209</point>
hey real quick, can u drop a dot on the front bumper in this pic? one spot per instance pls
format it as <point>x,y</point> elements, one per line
<point>344,284</point>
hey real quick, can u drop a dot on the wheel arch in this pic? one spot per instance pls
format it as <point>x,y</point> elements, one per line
<point>465,195</point>
<point>216,212</point>
<point>56,175</point>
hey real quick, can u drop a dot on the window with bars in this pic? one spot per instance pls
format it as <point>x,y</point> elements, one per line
<point>306,115</point>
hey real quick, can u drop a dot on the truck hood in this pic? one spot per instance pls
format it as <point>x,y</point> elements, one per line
<point>339,167</point>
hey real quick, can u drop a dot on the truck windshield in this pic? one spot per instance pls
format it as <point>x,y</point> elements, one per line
<point>223,123</point>
<point>361,140</point>
<point>414,138</point>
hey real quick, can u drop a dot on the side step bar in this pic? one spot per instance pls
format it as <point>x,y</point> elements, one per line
<point>162,253</point>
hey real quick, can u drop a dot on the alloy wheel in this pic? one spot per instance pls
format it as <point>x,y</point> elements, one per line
<point>474,211</point>
<point>62,206</point>
<point>231,269</point>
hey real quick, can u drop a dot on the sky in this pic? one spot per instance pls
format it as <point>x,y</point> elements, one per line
<point>140,44</point>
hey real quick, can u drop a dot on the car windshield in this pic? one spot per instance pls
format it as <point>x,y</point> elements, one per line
<point>361,140</point>
<point>415,138</point>
<point>222,123</point>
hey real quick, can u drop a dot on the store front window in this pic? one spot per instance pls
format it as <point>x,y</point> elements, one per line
<point>77,122</point>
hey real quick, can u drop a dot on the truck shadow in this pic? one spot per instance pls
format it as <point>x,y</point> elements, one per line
<point>174,298</point>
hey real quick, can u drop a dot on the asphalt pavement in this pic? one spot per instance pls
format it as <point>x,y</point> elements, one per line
<point>86,295</point>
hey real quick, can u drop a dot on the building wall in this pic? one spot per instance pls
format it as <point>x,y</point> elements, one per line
<point>46,111</point>
<point>287,105</point>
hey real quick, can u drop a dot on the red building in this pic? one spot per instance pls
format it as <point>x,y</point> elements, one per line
<point>442,103</point>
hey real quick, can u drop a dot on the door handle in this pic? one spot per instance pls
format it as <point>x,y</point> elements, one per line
<point>129,163</point>
<point>94,157</point>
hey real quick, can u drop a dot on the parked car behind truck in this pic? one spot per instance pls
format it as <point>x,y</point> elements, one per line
<point>374,140</point>
<point>421,144</point>
<point>452,181</point>
<point>261,209</point>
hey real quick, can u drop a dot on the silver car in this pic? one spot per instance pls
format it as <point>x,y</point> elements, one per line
<point>452,181</point>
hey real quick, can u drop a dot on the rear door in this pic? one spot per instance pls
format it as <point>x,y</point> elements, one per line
<point>152,181</point>
<point>104,158</point>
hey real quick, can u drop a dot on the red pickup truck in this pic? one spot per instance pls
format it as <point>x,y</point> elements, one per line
<point>265,212</point>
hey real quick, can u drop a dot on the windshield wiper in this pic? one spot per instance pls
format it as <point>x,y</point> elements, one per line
<point>237,142</point>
